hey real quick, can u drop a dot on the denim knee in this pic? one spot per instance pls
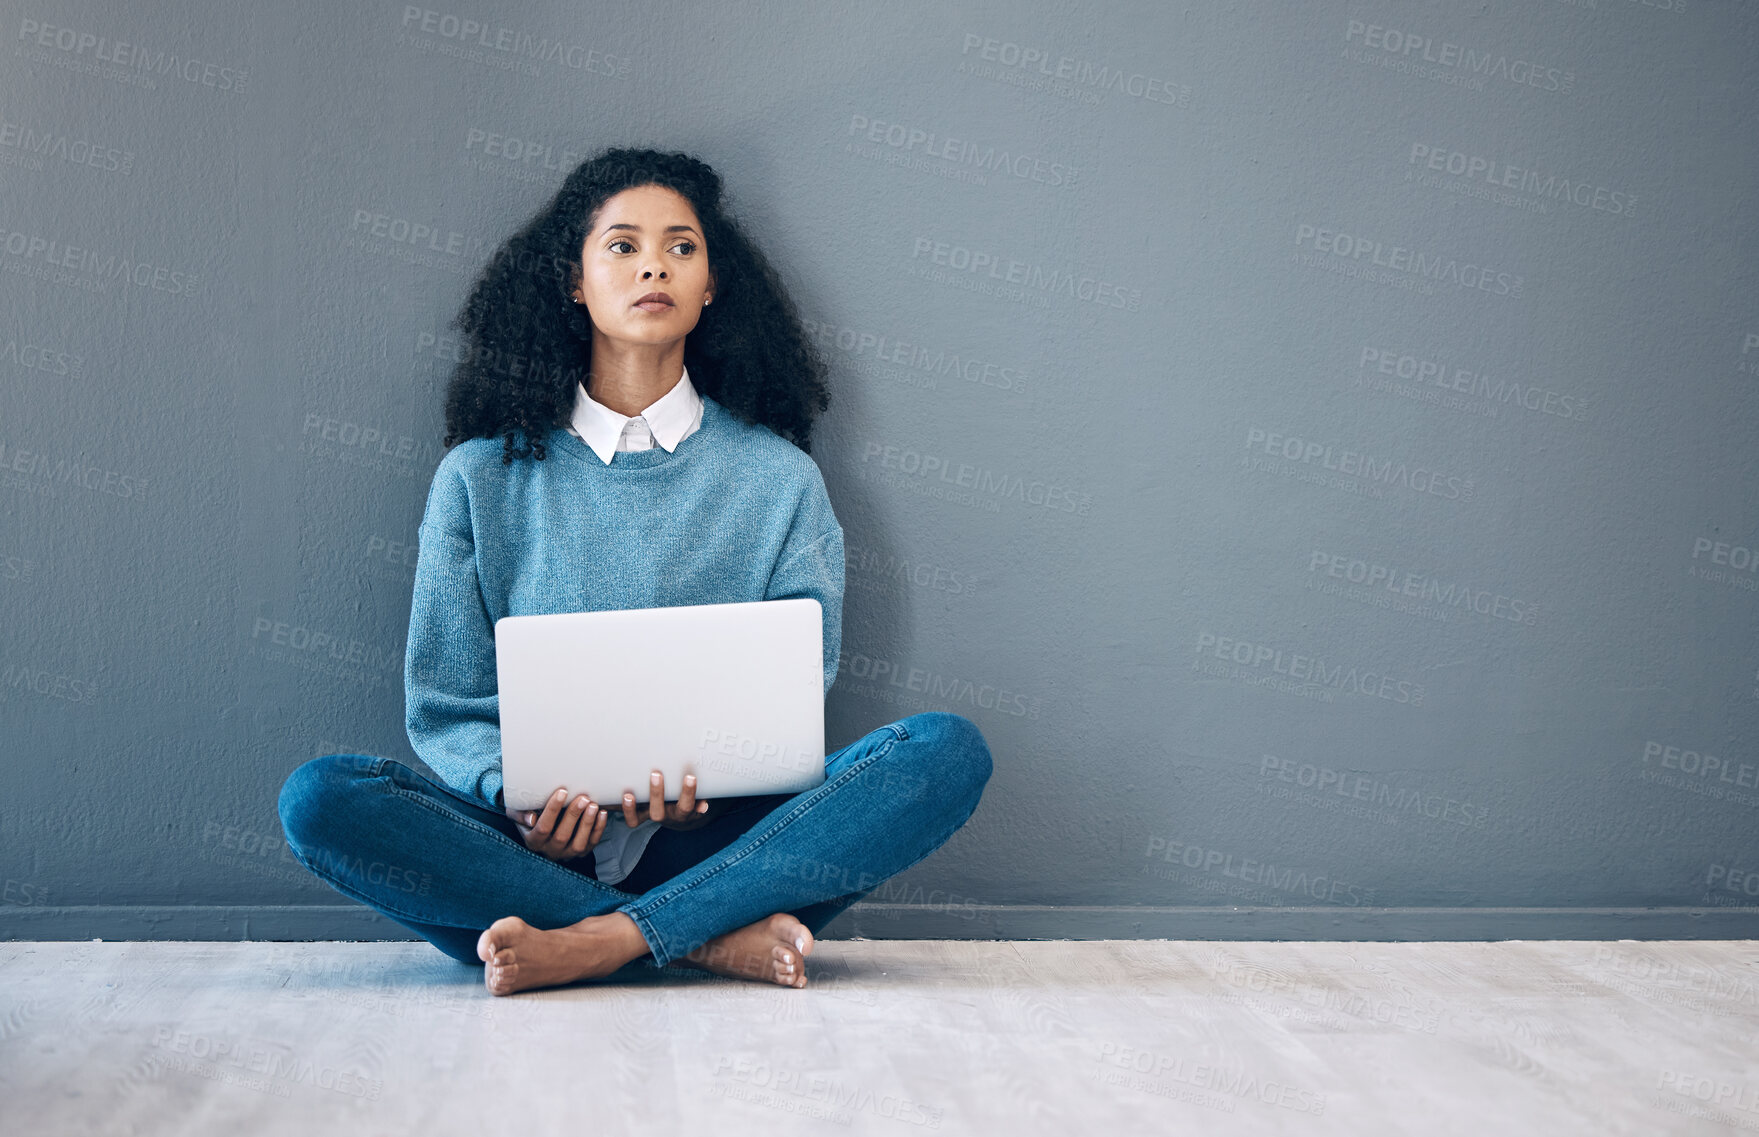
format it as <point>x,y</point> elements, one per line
<point>315,793</point>
<point>961,752</point>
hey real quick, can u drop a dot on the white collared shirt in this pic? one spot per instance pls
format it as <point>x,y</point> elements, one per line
<point>667,421</point>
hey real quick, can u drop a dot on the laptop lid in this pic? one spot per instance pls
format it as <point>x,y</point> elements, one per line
<point>592,701</point>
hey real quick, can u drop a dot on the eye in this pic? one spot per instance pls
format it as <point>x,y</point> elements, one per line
<point>619,241</point>
<point>690,249</point>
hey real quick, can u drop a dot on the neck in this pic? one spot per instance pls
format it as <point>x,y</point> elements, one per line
<point>630,377</point>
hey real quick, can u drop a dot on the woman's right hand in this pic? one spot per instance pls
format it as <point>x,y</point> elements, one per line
<point>561,834</point>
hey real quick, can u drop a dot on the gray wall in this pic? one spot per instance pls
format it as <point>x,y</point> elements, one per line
<point>1326,475</point>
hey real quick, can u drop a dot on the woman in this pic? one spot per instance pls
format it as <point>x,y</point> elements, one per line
<point>614,445</point>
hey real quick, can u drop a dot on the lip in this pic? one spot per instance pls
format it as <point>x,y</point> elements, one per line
<point>654,302</point>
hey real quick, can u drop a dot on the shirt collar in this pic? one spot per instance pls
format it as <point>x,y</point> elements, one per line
<point>669,417</point>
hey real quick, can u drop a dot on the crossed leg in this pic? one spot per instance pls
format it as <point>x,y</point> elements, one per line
<point>453,870</point>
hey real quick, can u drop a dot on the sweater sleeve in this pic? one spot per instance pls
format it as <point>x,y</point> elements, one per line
<point>811,565</point>
<point>451,699</point>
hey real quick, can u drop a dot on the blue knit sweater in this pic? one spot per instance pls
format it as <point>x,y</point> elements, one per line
<point>735,513</point>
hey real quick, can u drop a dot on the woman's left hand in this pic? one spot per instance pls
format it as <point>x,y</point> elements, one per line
<point>685,813</point>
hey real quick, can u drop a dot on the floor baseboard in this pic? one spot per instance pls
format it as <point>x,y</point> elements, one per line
<point>961,922</point>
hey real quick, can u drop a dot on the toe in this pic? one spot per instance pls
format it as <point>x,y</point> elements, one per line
<point>791,931</point>
<point>786,967</point>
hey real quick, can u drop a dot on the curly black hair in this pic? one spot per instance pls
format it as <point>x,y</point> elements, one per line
<point>526,343</point>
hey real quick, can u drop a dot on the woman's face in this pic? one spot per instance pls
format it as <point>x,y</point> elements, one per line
<point>646,239</point>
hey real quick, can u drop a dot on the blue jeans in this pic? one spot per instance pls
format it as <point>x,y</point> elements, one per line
<point>447,866</point>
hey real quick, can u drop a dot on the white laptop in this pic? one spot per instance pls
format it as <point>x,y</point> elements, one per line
<point>733,693</point>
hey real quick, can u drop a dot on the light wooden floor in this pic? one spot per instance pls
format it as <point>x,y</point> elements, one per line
<point>892,1037</point>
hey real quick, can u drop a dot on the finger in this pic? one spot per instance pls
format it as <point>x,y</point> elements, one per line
<point>629,818</point>
<point>656,796</point>
<point>686,799</point>
<point>598,831</point>
<point>547,819</point>
<point>557,839</point>
<point>583,833</point>
<point>569,825</point>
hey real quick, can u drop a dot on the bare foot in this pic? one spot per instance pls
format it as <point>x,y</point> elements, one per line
<point>773,949</point>
<point>518,957</point>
